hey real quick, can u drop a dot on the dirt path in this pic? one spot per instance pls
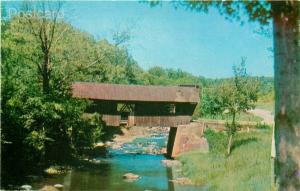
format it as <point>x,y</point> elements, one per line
<point>267,116</point>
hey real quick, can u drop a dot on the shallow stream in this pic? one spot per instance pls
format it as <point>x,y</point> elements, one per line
<point>107,175</point>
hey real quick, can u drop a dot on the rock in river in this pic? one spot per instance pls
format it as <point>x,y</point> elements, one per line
<point>26,187</point>
<point>49,188</point>
<point>182,181</point>
<point>170,163</point>
<point>95,161</point>
<point>131,176</point>
<point>58,185</point>
<point>99,144</point>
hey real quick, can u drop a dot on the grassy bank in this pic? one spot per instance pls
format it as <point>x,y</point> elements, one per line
<point>240,117</point>
<point>247,168</point>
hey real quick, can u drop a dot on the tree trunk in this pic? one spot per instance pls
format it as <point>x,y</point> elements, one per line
<point>46,73</point>
<point>229,144</point>
<point>287,93</point>
<point>231,131</point>
<point>233,128</point>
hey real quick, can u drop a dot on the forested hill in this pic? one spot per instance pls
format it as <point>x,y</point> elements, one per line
<point>165,76</point>
<point>77,56</point>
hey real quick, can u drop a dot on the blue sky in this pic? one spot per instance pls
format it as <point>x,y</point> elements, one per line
<point>199,43</point>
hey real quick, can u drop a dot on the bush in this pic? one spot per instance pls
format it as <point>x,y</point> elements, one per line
<point>44,130</point>
<point>88,133</point>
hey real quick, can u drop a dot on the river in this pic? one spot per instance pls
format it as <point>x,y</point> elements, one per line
<point>107,174</point>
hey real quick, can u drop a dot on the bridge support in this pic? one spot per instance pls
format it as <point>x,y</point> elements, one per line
<point>185,138</point>
<point>171,141</point>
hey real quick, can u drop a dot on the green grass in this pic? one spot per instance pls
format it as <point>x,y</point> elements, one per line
<point>241,117</point>
<point>248,117</point>
<point>247,168</point>
<point>270,106</point>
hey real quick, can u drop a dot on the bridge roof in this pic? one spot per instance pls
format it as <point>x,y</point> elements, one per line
<point>118,92</point>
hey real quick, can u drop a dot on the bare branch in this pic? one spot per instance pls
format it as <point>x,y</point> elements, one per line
<point>54,23</point>
<point>32,28</point>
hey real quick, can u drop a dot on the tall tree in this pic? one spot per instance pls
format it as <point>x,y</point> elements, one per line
<point>44,28</point>
<point>286,31</point>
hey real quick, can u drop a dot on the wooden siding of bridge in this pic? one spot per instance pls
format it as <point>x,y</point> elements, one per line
<point>111,120</point>
<point>148,105</point>
<point>151,121</point>
<point>166,121</point>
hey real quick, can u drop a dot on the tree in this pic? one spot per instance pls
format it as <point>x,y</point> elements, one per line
<point>44,29</point>
<point>234,96</point>
<point>285,16</point>
<point>52,38</point>
<point>157,76</point>
<point>37,122</point>
<point>286,31</point>
<point>238,95</point>
<point>211,105</point>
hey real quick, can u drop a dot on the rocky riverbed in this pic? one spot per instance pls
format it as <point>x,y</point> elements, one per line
<point>140,140</point>
<point>134,162</point>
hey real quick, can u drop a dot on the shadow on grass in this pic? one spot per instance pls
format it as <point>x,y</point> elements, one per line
<point>241,142</point>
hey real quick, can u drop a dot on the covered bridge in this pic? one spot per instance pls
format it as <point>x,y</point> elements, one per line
<point>137,105</point>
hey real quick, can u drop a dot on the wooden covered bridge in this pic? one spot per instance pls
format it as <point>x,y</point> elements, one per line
<point>137,105</point>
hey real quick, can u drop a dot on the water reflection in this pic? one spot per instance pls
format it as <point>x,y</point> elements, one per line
<point>170,177</point>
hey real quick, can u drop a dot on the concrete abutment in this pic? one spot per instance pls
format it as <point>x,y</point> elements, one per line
<point>185,138</point>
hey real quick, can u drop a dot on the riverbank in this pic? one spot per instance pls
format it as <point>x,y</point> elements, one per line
<point>247,168</point>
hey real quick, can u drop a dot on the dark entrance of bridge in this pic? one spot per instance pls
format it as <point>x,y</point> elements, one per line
<point>136,105</point>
